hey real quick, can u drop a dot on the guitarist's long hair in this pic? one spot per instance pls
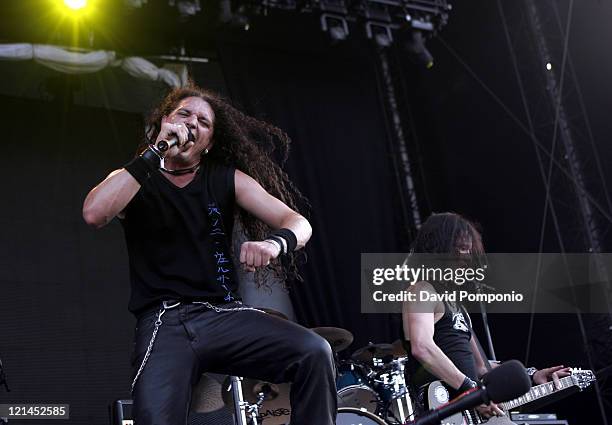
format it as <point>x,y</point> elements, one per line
<point>441,234</point>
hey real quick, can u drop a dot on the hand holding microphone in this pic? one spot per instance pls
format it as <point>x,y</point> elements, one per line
<point>171,135</point>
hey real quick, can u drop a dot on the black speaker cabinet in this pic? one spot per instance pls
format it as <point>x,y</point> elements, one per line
<point>121,413</point>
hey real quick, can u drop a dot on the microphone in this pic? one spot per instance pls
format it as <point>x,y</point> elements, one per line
<point>506,382</point>
<point>164,145</point>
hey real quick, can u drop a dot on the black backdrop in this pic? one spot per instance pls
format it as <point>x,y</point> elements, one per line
<point>64,330</point>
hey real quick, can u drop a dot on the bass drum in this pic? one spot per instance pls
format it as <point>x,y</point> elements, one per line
<point>354,416</point>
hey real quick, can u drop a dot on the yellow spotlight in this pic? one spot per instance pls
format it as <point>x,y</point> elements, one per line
<point>75,4</point>
<point>75,9</point>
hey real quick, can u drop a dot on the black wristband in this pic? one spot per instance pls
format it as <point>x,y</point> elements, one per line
<point>468,384</point>
<point>140,168</point>
<point>153,156</point>
<point>289,238</point>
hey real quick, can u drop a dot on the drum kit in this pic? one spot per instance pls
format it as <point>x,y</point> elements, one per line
<point>373,381</point>
<point>371,387</point>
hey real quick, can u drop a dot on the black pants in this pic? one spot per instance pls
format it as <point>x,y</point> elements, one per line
<point>194,339</point>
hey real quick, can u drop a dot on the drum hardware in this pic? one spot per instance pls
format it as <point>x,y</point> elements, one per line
<point>240,406</point>
<point>243,409</point>
<point>373,380</point>
<point>263,402</point>
<point>354,386</point>
<point>393,390</point>
<point>369,352</point>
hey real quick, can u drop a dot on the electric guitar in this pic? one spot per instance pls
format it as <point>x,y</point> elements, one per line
<point>437,395</point>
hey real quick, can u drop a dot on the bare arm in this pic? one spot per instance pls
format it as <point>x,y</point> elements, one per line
<point>109,198</point>
<point>420,327</point>
<point>253,198</point>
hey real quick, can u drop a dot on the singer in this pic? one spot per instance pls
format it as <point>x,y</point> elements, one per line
<point>441,342</point>
<point>177,208</point>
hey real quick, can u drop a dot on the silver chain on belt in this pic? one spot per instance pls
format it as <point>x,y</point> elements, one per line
<point>158,323</point>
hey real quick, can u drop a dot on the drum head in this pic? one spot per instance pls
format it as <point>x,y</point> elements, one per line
<point>358,396</point>
<point>353,416</point>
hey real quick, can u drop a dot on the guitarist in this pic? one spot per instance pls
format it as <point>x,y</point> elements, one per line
<point>440,338</point>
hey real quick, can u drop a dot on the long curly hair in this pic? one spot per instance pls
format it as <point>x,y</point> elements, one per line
<point>254,147</point>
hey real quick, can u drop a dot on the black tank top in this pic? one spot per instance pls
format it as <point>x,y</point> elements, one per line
<point>178,239</point>
<point>452,333</point>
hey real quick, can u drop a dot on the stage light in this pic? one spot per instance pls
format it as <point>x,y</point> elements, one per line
<point>75,4</point>
<point>336,26</point>
<point>379,32</point>
<point>337,33</point>
<point>548,66</point>
<point>74,22</point>
<point>74,9</point>
<point>414,44</point>
<point>334,19</point>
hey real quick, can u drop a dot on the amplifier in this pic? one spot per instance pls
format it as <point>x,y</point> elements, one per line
<point>121,413</point>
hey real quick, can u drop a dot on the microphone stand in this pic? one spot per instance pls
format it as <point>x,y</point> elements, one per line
<point>485,323</point>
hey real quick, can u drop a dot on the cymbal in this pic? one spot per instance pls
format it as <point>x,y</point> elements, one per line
<point>276,399</point>
<point>206,395</point>
<point>398,349</point>
<point>338,338</point>
<point>367,353</point>
<point>273,312</point>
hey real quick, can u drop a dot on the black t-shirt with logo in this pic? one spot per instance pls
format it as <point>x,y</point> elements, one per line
<point>452,333</point>
<point>179,239</point>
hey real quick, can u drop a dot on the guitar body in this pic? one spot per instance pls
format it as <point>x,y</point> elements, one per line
<point>436,394</point>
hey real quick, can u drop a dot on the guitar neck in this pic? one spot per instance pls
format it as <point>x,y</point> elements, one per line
<point>537,392</point>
